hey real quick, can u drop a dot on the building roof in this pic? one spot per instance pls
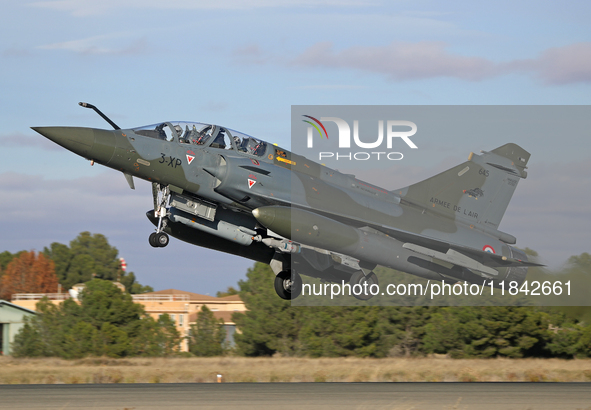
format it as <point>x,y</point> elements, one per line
<point>192,296</point>
<point>196,296</point>
<point>5,302</point>
<point>231,298</point>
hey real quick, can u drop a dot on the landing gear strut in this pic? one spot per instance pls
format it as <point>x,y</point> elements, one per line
<point>365,281</point>
<point>160,239</point>
<point>288,284</point>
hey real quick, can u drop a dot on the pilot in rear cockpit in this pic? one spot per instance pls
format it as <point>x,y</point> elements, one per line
<point>219,142</point>
<point>238,143</point>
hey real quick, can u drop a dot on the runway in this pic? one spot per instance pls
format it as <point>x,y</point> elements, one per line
<point>301,396</point>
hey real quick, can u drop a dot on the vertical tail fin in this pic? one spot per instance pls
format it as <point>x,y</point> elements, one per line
<point>477,191</point>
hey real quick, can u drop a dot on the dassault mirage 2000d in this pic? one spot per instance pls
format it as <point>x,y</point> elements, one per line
<point>225,190</point>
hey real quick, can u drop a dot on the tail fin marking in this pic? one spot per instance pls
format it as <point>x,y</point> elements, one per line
<point>475,192</point>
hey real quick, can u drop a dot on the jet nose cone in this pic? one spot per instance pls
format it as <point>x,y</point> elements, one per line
<point>75,139</point>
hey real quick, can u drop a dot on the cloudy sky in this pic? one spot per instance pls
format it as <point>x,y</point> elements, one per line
<point>243,64</point>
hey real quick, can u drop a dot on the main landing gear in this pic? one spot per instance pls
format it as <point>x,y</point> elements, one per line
<point>160,239</point>
<point>288,284</point>
<point>363,291</point>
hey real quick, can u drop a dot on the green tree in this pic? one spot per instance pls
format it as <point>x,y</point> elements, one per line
<point>341,331</point>
<point>228,292</point>
<point>584,343</point>
<point>51,332</point>
<point>565,341</point>
<point>135,288</point>
<point>156,337</point>
<point>404,329</point>
<point>488,331</point>
<point>111,341</point>
<point>570,332</point>
<point>90,256</point>
<point>207,335</point>
<point>582,261</point>
<point>103,302</point>
<point>61,256</point>
<point>106,322</point>
<point>5,258</point>
<point>28,342</point>
<point>270,324</point>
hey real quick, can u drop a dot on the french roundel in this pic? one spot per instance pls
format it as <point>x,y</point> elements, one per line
<point>488,248</point>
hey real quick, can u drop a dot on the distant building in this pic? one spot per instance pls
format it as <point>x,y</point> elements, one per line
<point>12,318</point>
<point>180,305</point>
<point>183,307</point>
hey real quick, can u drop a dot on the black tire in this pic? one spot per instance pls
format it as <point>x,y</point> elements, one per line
<point>162,239</point>
<point>288,284</point>
<point>152,240</point>
<point>358,278</point>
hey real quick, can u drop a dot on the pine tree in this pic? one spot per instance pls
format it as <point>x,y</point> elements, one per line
<point>106,322</point>
<point>90,256</point>
<point>270,324</point>
<point>207,335</point>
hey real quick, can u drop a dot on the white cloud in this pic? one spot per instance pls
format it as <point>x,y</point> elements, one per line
<point>559,65</point>
<point>251,54</point>
<point>400,60</point>
<point>99,45</point>
<point>39,199</point>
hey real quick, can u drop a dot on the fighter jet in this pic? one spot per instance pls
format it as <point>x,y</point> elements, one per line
<point>225,190</point>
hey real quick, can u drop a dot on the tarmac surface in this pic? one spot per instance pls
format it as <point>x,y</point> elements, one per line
<point>301,396</point>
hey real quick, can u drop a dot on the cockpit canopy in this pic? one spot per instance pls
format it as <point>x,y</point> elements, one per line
<point>211,135</point>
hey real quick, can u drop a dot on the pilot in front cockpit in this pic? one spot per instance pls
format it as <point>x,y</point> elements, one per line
<point>203,136</point>
<point>189,136</point>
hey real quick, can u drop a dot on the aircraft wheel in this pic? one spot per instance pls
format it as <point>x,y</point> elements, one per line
<point>152,240</point>
<point>288,284</point>
<point>162,239</point>
<point>358,278</point>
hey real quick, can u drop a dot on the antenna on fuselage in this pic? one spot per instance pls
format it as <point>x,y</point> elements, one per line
<point>92,107</point>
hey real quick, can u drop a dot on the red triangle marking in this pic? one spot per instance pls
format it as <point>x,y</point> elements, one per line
<point>251,182</point>
<point>190,158</point>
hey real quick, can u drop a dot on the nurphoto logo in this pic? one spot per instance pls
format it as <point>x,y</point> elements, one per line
<point>394,129</point>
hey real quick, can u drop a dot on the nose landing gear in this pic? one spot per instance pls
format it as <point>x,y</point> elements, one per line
<point>160,239</point>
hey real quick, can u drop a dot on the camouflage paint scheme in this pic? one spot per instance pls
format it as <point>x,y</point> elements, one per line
<point>250,198</point>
